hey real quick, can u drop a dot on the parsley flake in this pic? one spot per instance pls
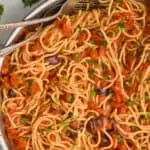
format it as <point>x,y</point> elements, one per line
<point>65,78</point>
<point>90,61</point>
<point>70,99</point>
<point>47,129</point>
<point>121,27</point>
<point>64,124</point>
<point>134,128</point>
<point>93,92</point>
<point>20,78</point>
<point>25,120</point>
<point>119,139</point>
<point>1,10</point>
<point>103,42</point>
<point>131,103</point>
<point>29,3</point>
<point>77,55</point>
<point>92,41</point>
<point>148,114</point>
<point>91,72</point>
<point>118,1</point>
<point>26,137</point>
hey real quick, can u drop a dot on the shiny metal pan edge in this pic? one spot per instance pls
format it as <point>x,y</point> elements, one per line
<point>37,12</point>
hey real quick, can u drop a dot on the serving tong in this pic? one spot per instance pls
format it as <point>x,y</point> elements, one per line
<point>55,10</point>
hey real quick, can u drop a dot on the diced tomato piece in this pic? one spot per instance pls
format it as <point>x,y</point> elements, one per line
<point>94,55</point>
<point>99,110</point>
<point>67,30</point>
<point>130,59</point>
<point>12,133</point>
<point>20,143</point>
<point>45,122</point>
<point>101,51</point>
<point>28,100</point>
<point>82,37</point>
<point>123,109</point>
<point>80,110</point>
<point>12,111</point>
<point>122,147</point>
<point>74,124</point>
<point>15,79</point>
<point>92,106</point>
<point>114,139</point>
<point>116,105</point>
<point>55,112</point>
<point>35,88</point>
<point>36,46</point>
<point>85,53</point>
<point>95,78</point>
<point>47,37</point>
<point>52,137</point>
<point>95,37</point>
<point>118,93</point>
<point>6,122</point>
<point>109,125</point>
<point>5,66</point>
<point>118,98</point>
<point>6,83</point>
<point>101,98</point>
<point>133,89</point>
<point>65,27</point>
<point>145,65</point>
<point>125,71</point>
<point>46,75</point>
<point>127,128</point>
<point>59,23</point>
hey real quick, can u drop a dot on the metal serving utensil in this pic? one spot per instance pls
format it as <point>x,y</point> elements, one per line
<point>67,7</point>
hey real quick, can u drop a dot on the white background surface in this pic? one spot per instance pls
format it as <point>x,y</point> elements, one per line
<point>14,10</point>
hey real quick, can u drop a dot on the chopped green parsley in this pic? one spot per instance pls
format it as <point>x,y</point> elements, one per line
<point>121,27</point>
<point>119,139</point>
<point>1,10</point>
<point>29,3</point>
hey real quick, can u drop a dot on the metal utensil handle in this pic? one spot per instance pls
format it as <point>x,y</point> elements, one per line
<point>9,49</point>
<point>26,23</point>
<point>34,21</point>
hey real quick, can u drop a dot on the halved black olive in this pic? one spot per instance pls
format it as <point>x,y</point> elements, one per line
<point>104,141</point>
<point>11,93</point>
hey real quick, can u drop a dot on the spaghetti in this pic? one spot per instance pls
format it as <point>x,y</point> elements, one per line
<point>83,84</point>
